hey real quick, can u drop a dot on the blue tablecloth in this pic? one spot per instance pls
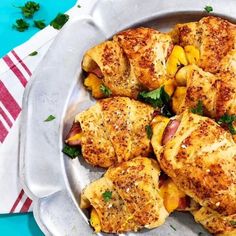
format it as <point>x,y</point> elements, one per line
<point>23,224</point>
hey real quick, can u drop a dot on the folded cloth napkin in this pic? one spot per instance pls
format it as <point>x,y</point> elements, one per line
<point>16,69</point>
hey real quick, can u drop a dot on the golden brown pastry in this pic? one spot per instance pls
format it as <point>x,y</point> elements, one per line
<point>108,62</point>
<point>147,51</point>
<point>199,86</point>
<point>134,60</point>
<point>195,152</point>
<point>112,131</point>
<point>213,36</point>
<point>210,46</point>
<point>215,223</point>
<point>200,157</point>
<point>226,85</point>
<point>126,198</point>
<point>217,92</point>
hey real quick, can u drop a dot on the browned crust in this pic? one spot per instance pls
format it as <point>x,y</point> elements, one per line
<point>135,202</point>
<point>215,223</point>
<point>209,176</point>
<point>113,131</point>
<point>226,94</point>
<point>140,47</point>
<point>214,36</point>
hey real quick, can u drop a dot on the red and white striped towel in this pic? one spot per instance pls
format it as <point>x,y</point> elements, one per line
<point>16,69</point>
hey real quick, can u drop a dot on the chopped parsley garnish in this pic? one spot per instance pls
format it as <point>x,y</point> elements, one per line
<point>233,223</point>
<point>50,118</point>
<point>72,152</point>
<point>228,121</point>
<point>29,9</point>
<point>157,98</point>
<point>198,109</point>
<point>208,9</point>
<point>21,25</point>
<point>173,227</point>
<point>78,6</point>
<point>149,132</point>
<point>59,21</point>
<point>107,195</point>
<point>34,53</point>
<point>39,24</point>
<point>105,90</point>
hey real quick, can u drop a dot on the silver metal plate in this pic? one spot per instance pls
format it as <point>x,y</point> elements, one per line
<point>51,179</point>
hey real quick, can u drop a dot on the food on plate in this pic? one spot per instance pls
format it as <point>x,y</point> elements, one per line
<point>211,75</point>
<point>128,197</point>
<point>147,51</point>
<point>214,37</point>
<point>134,60</point>
<point>112,131</point>
<point>200,157</point>
<point>174,198</point>
<point>216,92</point>
<point>196,61</point>
<point>184,75</point>
<point>215,223</point>
<point>226,84</point>
<point>195,85</point>
<point>108,65</point>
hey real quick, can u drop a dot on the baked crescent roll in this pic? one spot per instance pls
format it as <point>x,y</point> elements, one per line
<point>126,198</point>
<point>112,131</point>
<point>213,36</point>
<point>147,51</point>
<point>133,60</point>
<point>199,86</point>
<point>215,223</point>
<point>200,157</point>
<point>108,62</point>
<point>217,92</point>
<point>210,47</point>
